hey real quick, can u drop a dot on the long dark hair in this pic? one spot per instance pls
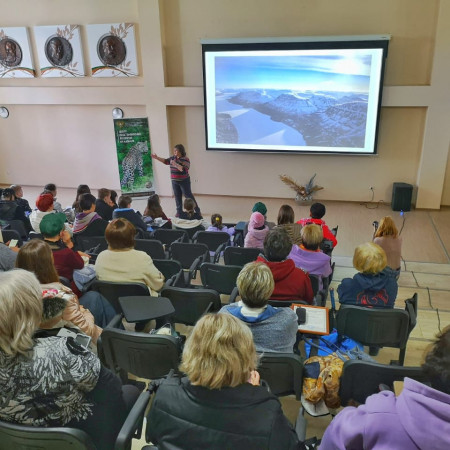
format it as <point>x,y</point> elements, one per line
<point>189,206</point>
<point>285,215</point>
<point>153,208</point>
<point>81,189</point>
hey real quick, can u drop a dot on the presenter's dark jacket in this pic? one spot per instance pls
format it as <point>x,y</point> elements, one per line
<point>132,216</point>
<point>244,417</point>
<point>104,210</point>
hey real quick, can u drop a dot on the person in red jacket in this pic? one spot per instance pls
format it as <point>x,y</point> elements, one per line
<point>316,212</point>
<point>291,283</point>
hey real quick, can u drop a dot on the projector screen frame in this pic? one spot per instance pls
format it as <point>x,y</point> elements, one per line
<point>313,43</point>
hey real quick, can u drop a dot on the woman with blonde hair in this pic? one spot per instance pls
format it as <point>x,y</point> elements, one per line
<point>61,306</point>
<point>387,237</point>
<point>308,256</point>
<point>219,404</point>
<point>375,285</point>
<point>53,381</point>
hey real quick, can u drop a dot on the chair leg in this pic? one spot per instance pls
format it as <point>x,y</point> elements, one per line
<point>300,426</point>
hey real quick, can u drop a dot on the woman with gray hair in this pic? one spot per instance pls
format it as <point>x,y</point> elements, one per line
<point>273,329</point>
<point>53,381</point>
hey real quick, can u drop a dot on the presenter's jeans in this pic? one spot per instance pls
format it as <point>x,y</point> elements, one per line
<point>181,188</point>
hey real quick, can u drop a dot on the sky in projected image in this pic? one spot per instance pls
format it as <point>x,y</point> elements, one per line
<point>348,72</point>
<point>314,100</point>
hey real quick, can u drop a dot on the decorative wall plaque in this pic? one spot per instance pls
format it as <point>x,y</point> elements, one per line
<point>112,49</point>
<point>15,56</point>
<point>59,50</point>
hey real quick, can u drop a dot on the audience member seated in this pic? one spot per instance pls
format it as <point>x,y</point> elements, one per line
<point>375,285</point>
<point>18,192</point>
<point>291,283</point>
<point>273,329</point>
<point>216,225</point>
<point>44,204</point>
<point>261,208</point>
<point>104,206</point>
<point>190,220</point>
<point>189,212</point>
<point>286,221</point>
<point>61,305</point>
<point>154,210</point>
<point>316,212</point>
<point>386,236</point>
<point>418,418</point>
<point>125,211</point>
<point>10,210</point>
<point>308,256</point>
<point>53,381</point>
<point>121,262</point>
<point>66,259</point>
<point>114,199</point>
<point>219,404</point>
<point>81,189</point>
<point>7,257</point>
<point>257,231</point>
<point>51,189</point>
<point>88,222</point>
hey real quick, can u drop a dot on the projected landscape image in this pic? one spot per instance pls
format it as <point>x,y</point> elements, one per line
<point>318,100</point>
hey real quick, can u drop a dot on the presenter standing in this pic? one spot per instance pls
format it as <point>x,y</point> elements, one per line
<point>179,173</point>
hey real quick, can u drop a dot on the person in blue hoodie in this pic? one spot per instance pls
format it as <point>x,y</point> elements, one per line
<point>273,329</point>
<point>375,285</point>
<point>126,212</point>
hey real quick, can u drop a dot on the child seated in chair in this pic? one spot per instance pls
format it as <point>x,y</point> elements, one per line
<point>375,285</point>
<point>216,225</point>
<point>316,212</point>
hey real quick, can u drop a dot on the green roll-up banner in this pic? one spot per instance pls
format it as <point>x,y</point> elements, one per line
<point>134,155</point>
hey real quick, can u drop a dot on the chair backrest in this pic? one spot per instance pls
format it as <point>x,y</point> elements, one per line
<point>14,436</point>
<point>220,278</point>
<point>239,256</point>
<point>85,243</point>
<point>192,231</point>
<point>283,372</point>
<point>360,379</point>
<point>152,247</point>
<point>144,355</point>
<point>187,253</point>
<point>167,236</point>
<point>168,267</point>
<point>34,235</point>
<point>191,304</point>
<point>113,290</point>
<point>19,227</point>
<point>287,303</point>
<point>12,234</point>
<point>213,239</point>
<point>315,281</point>
<point>375,327</point>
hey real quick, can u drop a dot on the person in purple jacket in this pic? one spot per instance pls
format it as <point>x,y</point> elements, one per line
<point>419,418</point>
<point>308,256</point>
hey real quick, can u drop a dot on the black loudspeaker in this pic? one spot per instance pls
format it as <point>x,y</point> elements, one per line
<point>401,197</point>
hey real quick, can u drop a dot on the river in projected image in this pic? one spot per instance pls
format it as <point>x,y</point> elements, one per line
<point>294,118</point>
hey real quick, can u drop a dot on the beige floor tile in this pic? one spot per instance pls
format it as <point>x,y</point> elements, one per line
<point>407,279</point>
<point>343,272</point>
<point>433,281</point>
<point>440,299</point>
<point>441,269</point>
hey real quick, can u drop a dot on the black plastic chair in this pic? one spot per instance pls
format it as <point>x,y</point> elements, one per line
<point>191,304</point>
<point>379,327</point>
<point>12,234</point>
<point>168,236</point>
<point>152,247</point>
<point>34,235</point>
<point>286,304</point>
<point>14,436</point>
<point>96,244</point>
<point>283,372</point>
<point>191,231</point>
<point>190,256</point>
<point>18,226</point>
<point>360,379</point>
<point>216,242</point>
<point>220,278</point>
<point>144,355</point>
<point>112,291</point>
<point>239,256</point>
<point>172,271</point>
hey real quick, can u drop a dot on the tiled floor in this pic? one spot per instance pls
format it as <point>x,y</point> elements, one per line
<point>426,270</point>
